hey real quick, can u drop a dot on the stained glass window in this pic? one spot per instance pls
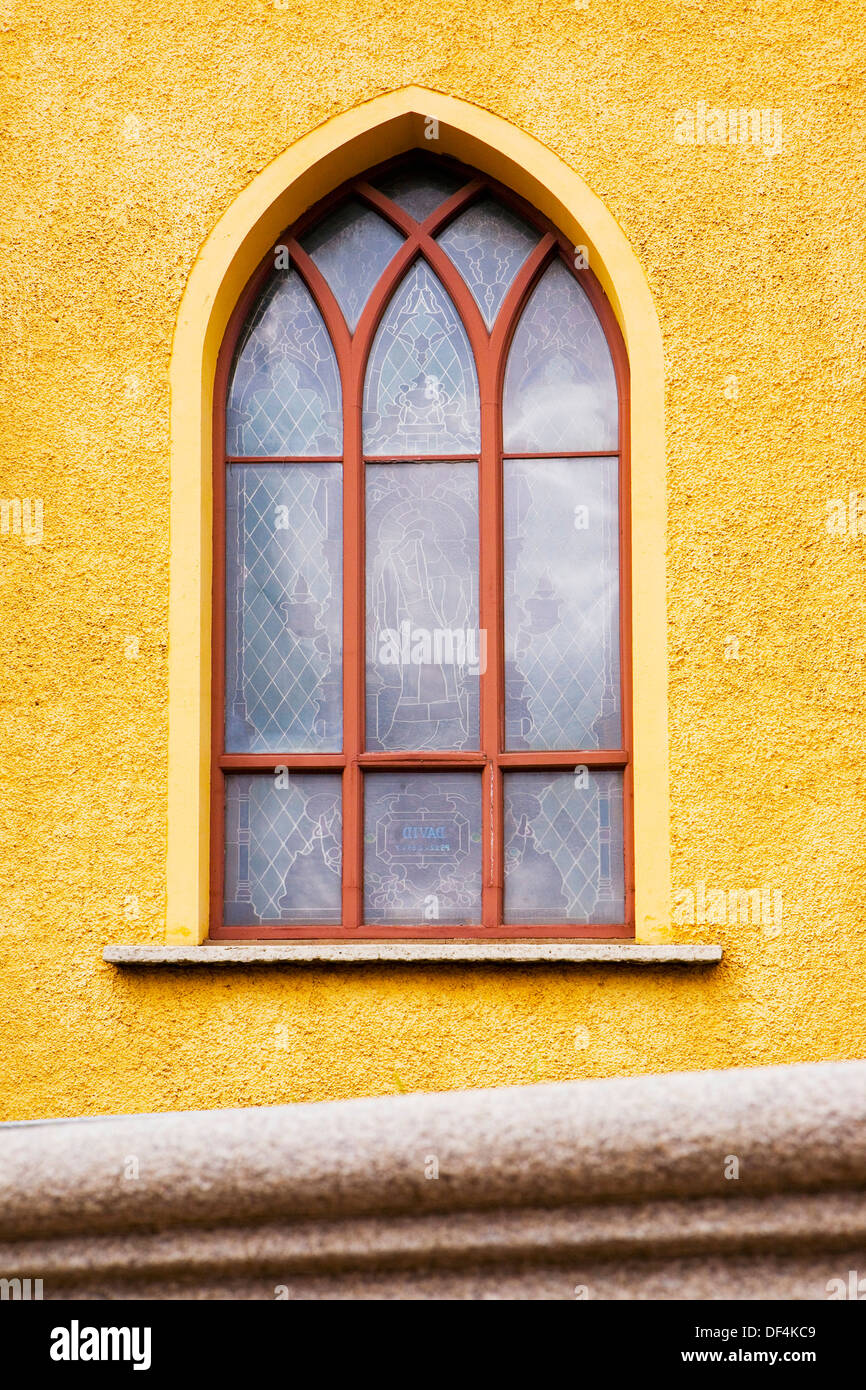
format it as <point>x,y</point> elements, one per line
<point>562,673</point>
<point>419,191</point>
<point>351,248</point>
<point>420,625</point>
<point>564,847</point>
<point>488,245</point>
<point>421,390</point>
<point>424,648</point>
<point>283,849</point>
<point>284,396</point>
<point>560,388</point>
<point>284,687</point>
<point>422,848</point>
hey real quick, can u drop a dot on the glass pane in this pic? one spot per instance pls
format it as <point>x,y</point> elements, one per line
<point>422,848</point>
<point>283,849</point>
<point>421,391</point>
<point>284,645</point>
<point>419,191</point>
<point>424,649</point>
<point>563,847</point>
<point>284,397</point>
<point>562,676</point>
<point>351,248</point>
<point>488,245</point>
<point>560,390</point>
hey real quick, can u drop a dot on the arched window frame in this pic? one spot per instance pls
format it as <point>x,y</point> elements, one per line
<point>490,350</point>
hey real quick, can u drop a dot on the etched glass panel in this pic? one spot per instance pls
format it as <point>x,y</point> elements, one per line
<point>564,847</point>
<point>352,247</point>
<point>419,191</point>
<point>560,389</point>
<point>488,245</point>
<point>424,648</point>
<point>422,848</point>
<point>562,668</point>
<point>283,849</point>
<point>421,391</point>
<point>284,643</point>
<point>284,398</point>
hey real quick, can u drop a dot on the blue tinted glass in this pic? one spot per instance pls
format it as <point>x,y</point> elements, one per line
<point>564,847</point>
<point>562,669</point>
<point>419,191</point>
<point>560,389</point>
<point>421,389</point>
<point>488,245</point>
<point>422,848</point>
<point>284,398</point>
<point>424,649</point>
<point>284,537</point>
<point>351,248</point>
<point>283,849</point>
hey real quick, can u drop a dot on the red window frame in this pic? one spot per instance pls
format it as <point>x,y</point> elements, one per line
<point>490,350</point>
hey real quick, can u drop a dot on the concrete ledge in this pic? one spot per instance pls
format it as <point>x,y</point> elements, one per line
<point>624,1188</point>
<point>407,952</point>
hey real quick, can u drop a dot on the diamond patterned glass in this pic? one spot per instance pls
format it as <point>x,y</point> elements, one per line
<point>283,849</point>
<point>284,534</point>
<point>488,245</point>
<point>422,848</point>
<point>352,247</point>
<point>284,398</point>
<point>421,390</point>
<point>419,191</point>
<point>564,847</point>
<point>424,648</point>
<point>562,670</point>
<point>560,389</point>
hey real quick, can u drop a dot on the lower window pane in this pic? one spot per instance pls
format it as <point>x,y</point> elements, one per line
<point>283,849</point>
<point>564,847</point>
<point>422,848</point>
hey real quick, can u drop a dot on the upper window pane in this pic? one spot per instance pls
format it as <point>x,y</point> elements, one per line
<point>560,389</point>
<point>419,191</point>
<point>421,391</point>
<point>488,245</point>
<point>351,248</point>
<point>284,398</point>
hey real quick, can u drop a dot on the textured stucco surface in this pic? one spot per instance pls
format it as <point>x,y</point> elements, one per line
<point>128,133</point>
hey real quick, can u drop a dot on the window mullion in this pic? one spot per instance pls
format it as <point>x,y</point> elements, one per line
<point>353,642</point>
<point>490,618</point>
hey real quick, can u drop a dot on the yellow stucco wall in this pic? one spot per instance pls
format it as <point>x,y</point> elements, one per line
<point>129,133</point>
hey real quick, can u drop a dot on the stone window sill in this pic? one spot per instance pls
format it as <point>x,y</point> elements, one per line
<point>422,952</point>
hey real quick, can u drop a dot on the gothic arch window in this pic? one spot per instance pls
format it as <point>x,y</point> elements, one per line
<point>421,718</point>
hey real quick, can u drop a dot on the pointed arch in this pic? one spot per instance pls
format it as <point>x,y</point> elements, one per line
<point>340,149</point>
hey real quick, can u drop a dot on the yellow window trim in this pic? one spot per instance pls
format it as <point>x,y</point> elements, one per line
<point>343,147</point>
